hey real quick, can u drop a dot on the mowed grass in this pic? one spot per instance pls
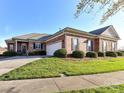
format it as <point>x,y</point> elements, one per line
<point>111,89</point>
<point>53,67</point>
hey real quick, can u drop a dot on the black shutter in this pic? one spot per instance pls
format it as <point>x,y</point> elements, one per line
<point>87,47</point>
<point>77,43</point>
<point>91,45</point>
<point>72,44</point>
<point>41,46</point>
<point>34,46</point>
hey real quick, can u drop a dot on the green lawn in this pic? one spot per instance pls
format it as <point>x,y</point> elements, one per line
<point>53,67</point>
<point>111,89</point>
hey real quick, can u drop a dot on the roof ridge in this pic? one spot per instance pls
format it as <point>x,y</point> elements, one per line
<point>30,34</point>
<point>102,27</point>
<point>100,30</point>
<point>37,35</point>
<point>76,29</point>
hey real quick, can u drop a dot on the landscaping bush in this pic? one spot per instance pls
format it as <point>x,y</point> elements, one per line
<point>9,53</point>
<point>92,54</point>
<point>20,54</point>
<point>111,54</point>
<point>78,54</point>
<point>101,54</point>
<point>60,53</point>
<point>120,53</point>
<point>41,52</point>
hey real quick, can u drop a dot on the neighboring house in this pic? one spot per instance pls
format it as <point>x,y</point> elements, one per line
<point>103,39</point>
<point>2,50</point>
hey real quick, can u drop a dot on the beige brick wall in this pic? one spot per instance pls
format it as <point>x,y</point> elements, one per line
<point>30,47</point>
<point>96,45</point>
<point>100,45</point>
<point>109,45</point>
<point>82,43</point>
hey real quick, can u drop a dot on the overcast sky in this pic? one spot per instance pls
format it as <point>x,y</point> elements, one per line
<point>19,17</point>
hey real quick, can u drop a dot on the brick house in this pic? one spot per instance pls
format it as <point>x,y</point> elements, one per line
<point>103,39</point>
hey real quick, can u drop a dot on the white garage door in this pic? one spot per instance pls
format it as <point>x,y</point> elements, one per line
<point>51,48</point>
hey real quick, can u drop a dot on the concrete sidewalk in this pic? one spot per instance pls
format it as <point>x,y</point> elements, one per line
<point>51,85</point>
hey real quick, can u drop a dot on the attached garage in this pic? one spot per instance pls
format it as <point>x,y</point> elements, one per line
<point>51,48</point>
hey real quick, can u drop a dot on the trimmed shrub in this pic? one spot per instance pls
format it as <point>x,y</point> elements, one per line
<point>41,52</point>
<point>78,54</point>
<point>92,54</point>
<point>62,53</point>
<point>120,53</point>
<point>111,54</point>
<point>9,53</point>
<point>101,54</point>
<point>20,54</point>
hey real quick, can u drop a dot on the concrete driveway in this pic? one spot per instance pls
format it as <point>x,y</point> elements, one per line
<point>8,64</point>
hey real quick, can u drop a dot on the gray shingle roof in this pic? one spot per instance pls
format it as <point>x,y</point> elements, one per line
<point>99,31</point>
<point>31,36</point>
<point>44,37</point>
<point>80,31</point>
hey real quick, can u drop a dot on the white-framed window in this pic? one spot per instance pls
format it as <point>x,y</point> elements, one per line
<point>74,44</point>
<point>37,46</point>
<point>11,47</point>
<point>113,46</point>
<point>104,46</point>
<point>107,43</point>
<point>89,45</point>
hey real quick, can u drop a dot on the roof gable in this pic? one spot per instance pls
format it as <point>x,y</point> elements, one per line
<point>107,31</point>
<point>99,31</point>
<point>111,32</point>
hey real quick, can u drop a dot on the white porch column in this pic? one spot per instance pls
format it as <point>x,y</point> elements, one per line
<point>15,45</point>
<point>116,46</point>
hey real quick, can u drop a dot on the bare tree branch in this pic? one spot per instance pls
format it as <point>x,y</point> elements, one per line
<point>113,10</point>
<point>86,6</point>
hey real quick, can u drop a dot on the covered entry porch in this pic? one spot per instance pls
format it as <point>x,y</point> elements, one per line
<point>23,46</point>
<point>18,46</point>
